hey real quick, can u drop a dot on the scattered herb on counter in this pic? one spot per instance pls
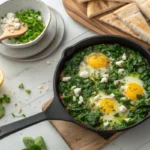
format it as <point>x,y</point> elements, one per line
<point>37,144</point>
<point>4,99</point>
<point>33,147</point>
<point>28,91</point>
<point>28,141</point>
<point>21,86</point>
<point>40,142</point>
<point>22,115</point>
<point>2,111</point>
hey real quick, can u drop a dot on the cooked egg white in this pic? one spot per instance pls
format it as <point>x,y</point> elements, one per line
<point>95,64</point>
<point>133,87</point>
<point>108,106</point>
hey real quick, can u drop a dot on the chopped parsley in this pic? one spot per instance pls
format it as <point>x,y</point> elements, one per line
<point>28,91</point>
<point>34,144</point>
<point>2,111</point>
<point>4,99</point>
<point>22,115</point>
<point>35,25</point>
<point>21,86</point>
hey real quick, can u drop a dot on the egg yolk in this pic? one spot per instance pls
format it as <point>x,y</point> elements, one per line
<point>107,106</point>
<point>132,90</point>
<point>98,61</point>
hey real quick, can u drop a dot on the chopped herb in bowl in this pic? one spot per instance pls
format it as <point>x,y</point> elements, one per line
<point>34,22</point>
<point>32,19</point>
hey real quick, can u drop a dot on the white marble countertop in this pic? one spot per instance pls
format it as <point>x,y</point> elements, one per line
<point>35,73</point>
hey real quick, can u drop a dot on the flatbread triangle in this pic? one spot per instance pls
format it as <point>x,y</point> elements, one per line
<point>98,7</point>
<point>144,6</point>
<point>82,1</point>
<point>123,1</point>
<point>131,16</point>
<point>113,20</point>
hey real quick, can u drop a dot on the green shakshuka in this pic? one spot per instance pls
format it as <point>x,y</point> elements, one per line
<point>104,86</point>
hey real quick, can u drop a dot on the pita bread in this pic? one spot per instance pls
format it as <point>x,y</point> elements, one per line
<point>132,17</point>
<point>82,1</point>
<point>98,7</point>
<point>113,20</point>
<point>144,6</point>
<point>122,1</point>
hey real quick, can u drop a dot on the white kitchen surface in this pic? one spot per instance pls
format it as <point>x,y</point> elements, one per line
<point>32,75</point>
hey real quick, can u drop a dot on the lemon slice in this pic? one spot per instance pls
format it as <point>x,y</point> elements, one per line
<point>1,77</point>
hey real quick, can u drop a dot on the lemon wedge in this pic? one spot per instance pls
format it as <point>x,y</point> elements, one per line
<point>1,77</point>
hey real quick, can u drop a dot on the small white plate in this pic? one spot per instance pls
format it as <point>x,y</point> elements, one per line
<point>35,49</point>
<point>55,43</point>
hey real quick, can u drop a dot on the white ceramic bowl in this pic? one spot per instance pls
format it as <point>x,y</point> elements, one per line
<point>17,5</point>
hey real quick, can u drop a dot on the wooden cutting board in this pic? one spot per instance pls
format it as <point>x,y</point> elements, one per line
<point>78,12</point>
<point>79,138</point>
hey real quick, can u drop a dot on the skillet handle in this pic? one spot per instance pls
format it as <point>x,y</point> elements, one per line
<point>55,110</point>
<point>11,128</point>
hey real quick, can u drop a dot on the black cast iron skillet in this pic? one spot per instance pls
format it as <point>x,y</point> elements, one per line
<point>56,111</point>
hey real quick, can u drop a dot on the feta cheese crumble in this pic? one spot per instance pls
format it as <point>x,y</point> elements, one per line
<point>106,124</point>
<point>104,80</point>
<point>48,62</point>
<point>124,87</point>
<point>65,79</point>
<point>122,109</point>
<point>84,74</point>
<point>17,26</point>
<point>121,71</point>
<point>96,97</point>
<point>10,15</point>
<point>117,82</point>
<point>42,86</point>
<point>124,56</point>
<point>105,75</point>
<point>12,21</point>
<point>119,63</point>
<point>80,100</point>
<point>112,95</point>
<point>19,110</point>
<point>127,119</point>
<point>123,98</point>
<point>77,91</point>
